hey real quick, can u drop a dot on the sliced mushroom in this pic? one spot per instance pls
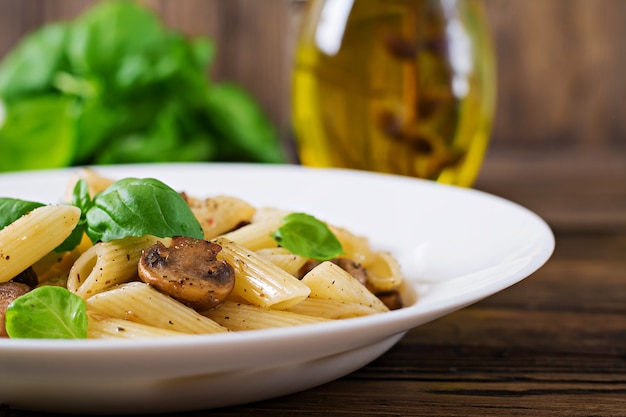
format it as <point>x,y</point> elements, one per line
<point>9,291</point>
<point>189,271</point>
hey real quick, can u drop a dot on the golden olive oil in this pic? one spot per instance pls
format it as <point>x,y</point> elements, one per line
<point>396,86</point>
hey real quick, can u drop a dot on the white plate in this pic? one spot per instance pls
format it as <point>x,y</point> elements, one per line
<point>456,246</point>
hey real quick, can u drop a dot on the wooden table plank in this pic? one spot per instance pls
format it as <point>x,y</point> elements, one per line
<point>570,190</point>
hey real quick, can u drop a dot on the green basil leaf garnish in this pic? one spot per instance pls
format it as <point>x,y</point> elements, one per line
<point>138,207</point>
<point>12,209</point>
<point>48,312</point>
<point>304,235</point>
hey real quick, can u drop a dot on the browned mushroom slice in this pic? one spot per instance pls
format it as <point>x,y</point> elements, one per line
<point>189,271</point>
<point>9,291</point>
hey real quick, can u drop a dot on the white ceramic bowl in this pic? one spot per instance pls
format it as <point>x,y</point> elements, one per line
<point>456,246</point>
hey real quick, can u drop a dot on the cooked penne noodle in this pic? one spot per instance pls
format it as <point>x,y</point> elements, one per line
<point>238,317</point>
<point>332,309</point>
<point>140,303</point>
<point>384,272</point>
<point>255,236</point>
<point>105,327</point>
<point>258,280</point>
<point>34,235</point>
<point>329,281</point>
<point>355,247</point>
<point>106,264</point>
<point>220,214</point>
<point>284,259</point>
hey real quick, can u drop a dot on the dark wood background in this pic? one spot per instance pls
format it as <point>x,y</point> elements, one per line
<point>561,63</point>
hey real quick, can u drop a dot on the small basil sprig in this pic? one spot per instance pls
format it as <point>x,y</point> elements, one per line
<point>303,234</point>
<point>48,312</point>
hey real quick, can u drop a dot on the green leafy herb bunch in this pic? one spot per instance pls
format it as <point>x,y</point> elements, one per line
<point>114,85</point>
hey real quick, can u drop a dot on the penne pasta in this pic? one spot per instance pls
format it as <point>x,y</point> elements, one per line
<point>220,214</point>
<point>384,273</point>
<point>139,302</point>
<point>332,309</point>
<point>255,236</point>
<point>105,327</point>
<point>106,264</point>
<point>34,235</point>
<point>355,247</point>
<point>284,259</point>
<point>259,281</point>
<point>329,281</point>
<point>237,317</point>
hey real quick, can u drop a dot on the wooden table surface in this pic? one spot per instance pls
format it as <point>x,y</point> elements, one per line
<point>552,345</point>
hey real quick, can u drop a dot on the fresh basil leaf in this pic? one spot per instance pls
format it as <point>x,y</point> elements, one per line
<point>82,200</point>
<point>48,312</point>
<point>12,209</point>
<point>37,133</point>
<point>96,123</point>
<point>304,235</point>
<point>138,207</point>
<point>81,197</point>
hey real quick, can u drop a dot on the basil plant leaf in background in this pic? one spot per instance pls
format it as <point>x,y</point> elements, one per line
<point>115,85</point>
<point>19,76</point>
<point>36,133</point>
